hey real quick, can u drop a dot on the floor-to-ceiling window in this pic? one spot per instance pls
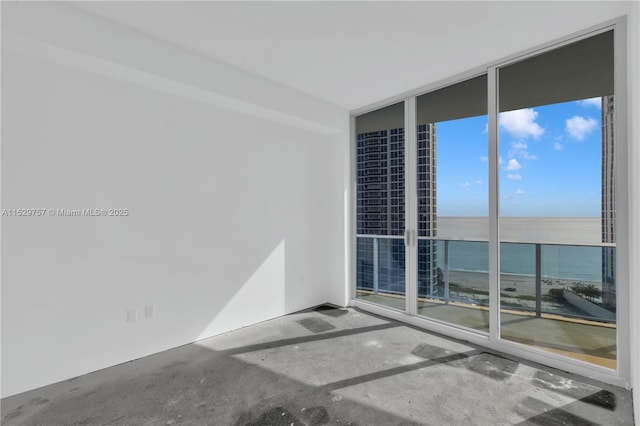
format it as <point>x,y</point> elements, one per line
<point>557,201</point>
<point>452,204</point>
<point>380,221</point>
<point>496,212</point>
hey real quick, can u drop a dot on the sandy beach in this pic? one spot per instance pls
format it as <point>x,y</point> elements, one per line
<point>517,285</point>
<point>523,284</point>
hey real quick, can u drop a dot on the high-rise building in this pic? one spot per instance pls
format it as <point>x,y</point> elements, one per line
<point>381,209</point>
<point>381,182</point>
<point>608,203</point>
<point>427,215</point>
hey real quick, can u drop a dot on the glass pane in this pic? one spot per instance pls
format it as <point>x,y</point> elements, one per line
<point>380,254</point>
<point>453,282</point>
<point>460,294</point>
<point>557,202</point>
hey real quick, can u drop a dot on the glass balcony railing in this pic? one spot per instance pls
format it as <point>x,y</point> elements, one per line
<point>381,270</point>
<point>568,280</point>
<point>560,298</point>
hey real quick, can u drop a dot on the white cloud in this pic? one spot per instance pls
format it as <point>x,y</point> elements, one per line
<point>514,176</point>
<point>466,186</point>
<point>519,149</point>
<point>557,146</point>
<point>516,148</point>
<point>521,123</point>
<point>478,181</point>
<point>578,127</point>
<point>519,145</point>
<point>513,165</point>
<point>519,191</point>
<point>592,102</point>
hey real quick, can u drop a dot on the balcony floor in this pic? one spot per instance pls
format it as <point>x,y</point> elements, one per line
<point>588,341</point>
<point>324,366</point>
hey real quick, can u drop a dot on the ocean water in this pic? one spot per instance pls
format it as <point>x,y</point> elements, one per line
<point>559,258</point>
<point>571,248</point>
<point>545,230</point>
<point>567,262</point>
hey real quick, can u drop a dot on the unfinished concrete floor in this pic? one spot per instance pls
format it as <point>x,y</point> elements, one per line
<point>590,341</point>
<point>325,366</point>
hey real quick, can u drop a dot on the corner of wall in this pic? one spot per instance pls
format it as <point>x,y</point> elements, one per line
<point>633,69</point>
<point>221,231</point>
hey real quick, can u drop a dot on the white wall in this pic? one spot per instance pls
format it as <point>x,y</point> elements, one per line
<point>633,48</point>
<point>329,259</point>
<point>235,196</point>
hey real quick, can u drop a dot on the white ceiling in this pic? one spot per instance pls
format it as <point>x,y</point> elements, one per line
<point>356,53</point>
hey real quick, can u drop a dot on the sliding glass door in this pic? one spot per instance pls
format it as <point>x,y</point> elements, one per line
<point>452,204</point>
<point>557,201</point>
<point>489,205</point>
<point>380,215</point>
<point>445,241</point>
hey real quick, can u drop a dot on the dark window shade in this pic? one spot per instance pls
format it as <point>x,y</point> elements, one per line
<point>391,117</point>
<point>461,100</point>
<point>580,70</point>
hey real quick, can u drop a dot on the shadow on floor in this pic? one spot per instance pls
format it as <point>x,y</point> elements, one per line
<point>324,366</point>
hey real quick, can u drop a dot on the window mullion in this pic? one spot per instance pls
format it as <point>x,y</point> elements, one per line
<point>411,216</point>
<point>494,207</point>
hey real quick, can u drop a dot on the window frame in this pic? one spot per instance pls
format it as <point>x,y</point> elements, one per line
<point>622,375</point>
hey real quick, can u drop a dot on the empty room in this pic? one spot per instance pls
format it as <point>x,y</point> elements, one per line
<point>310,213</point>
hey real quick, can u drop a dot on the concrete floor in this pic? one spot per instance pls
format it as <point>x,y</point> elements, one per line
<point>324,366</point>
<point>585,340</point>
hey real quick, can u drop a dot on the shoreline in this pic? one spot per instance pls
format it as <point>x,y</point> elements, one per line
<point>517,291</point>
<point>523,284</point>
<point>524,275</point>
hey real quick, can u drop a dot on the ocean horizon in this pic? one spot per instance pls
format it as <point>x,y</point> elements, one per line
<point>571,246</point>
<point>543,230</point>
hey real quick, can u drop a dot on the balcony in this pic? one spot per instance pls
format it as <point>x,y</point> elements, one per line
<point>559,298</point>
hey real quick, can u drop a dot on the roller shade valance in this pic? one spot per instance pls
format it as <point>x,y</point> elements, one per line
<point>581,70</point>
<point>461,100</point>
<point>391,117</point>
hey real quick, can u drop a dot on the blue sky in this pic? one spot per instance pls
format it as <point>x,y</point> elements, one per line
<point>550,162</point>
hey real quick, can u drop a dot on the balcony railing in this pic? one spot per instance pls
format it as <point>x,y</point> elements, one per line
<point>571,281</point>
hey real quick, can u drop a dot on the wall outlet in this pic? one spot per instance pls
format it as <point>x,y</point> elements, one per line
<point>132,315</point>
<point>149,311</point>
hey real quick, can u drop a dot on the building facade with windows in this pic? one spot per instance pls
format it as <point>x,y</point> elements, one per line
<point>381,204</point>
<point>608,203</point>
